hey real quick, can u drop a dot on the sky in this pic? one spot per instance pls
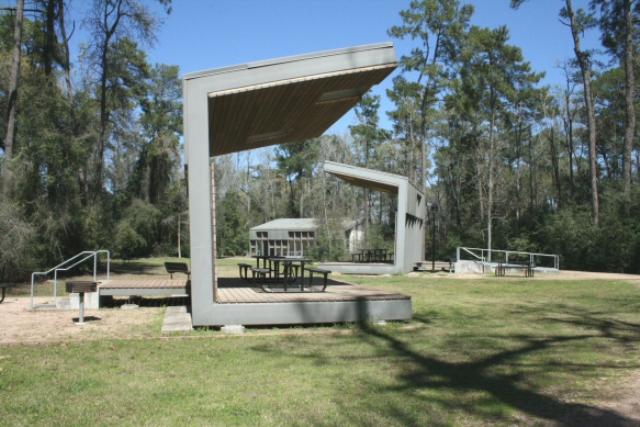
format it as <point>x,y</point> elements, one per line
<point>202,34</point>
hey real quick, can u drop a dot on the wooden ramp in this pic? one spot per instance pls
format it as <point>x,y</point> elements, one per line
<point>144,286</point>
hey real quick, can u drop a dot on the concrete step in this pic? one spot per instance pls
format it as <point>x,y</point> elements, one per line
<point>177,319</point>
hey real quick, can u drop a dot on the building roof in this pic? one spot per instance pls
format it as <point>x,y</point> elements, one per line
<point>286,99</point>
<point>291,224</point>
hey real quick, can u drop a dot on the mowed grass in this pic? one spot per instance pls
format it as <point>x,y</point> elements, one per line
<point>485,352</point>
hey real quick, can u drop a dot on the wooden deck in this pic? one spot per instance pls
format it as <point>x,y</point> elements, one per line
<point>238,302</point>
<point>233,290</point>
<point>237,291</point>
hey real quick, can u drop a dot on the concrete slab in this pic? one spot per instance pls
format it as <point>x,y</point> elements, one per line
<point>177,319</point>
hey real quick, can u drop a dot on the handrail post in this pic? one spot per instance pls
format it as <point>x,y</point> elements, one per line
<point>55,287</point>
<point>32,282</point>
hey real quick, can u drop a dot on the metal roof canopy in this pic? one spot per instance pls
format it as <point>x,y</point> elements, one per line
<point>366,178</point>
<point>286,99</point>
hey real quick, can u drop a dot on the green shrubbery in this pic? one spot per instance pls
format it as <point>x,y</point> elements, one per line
<point>137,231</point>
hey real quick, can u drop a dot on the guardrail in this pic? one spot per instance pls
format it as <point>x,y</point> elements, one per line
<point>503,256</point>
<point>64,266</point>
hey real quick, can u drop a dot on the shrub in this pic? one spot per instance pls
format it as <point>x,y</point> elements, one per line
<point>17,242</point>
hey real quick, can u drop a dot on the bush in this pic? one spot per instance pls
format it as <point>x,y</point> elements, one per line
<point>138,230</point>
<point>17,242</point>
<point>328,247</point>
<point>128,243</point>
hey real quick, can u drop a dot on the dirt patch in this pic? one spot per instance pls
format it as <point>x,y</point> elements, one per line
<point>621,409</point>
<point>626,400</point>
<point>20,325</point>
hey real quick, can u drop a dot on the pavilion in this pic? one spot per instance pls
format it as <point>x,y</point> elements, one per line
<point>409,227</point>
<point>255,105</point>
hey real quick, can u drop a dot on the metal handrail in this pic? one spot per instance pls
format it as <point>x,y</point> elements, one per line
<point>484,252</point>
<point>63,267</point>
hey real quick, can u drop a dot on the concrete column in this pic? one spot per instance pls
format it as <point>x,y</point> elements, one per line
<point>212,172</point>
<point>196,135</point>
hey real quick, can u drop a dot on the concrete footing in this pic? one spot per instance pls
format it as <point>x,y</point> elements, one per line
<point>233,329</point>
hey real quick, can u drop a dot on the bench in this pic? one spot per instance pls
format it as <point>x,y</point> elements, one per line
<point>501,269</point>
<point>4,287</point>
<point>177,267</point>
<point>244,270</point>
<point>323,272</point>
<point>259,273</point>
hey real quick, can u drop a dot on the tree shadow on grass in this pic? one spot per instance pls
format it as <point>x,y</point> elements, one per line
<point>504,378</point>
<point>479,375</point>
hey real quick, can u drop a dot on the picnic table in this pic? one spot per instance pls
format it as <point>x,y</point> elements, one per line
<point>270,272</point>
<point>371,255</point>
<point>527,268</point>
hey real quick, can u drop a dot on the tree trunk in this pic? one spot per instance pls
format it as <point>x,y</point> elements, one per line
<point>490,184</point>
<point>179,238</point>
<point>532,191</point>
<point>104,119</point>
<point>585,69</point>
<point>554,165</point>
<point>479,181</point>
<point>66,62</point>
<point>571,152</point>
<point>568,122</point>
<point>48,53</point>
<point>630,129</point>
<point>518,172</point>
<point>109,31</point>
<point>366,212</point>
<point>9,140</point>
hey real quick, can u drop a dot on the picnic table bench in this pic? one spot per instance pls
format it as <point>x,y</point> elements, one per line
<point>321,271</point>
<point>177,267</point>
<point>371,255</point>
<point>243,270</point>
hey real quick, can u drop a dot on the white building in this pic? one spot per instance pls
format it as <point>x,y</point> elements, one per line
<point>283,237</point>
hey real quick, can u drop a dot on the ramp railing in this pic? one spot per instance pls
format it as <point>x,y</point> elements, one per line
<point>67,265</point>
<point>495,256</point>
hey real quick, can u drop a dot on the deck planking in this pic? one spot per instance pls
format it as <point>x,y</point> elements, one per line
<point>235,291</point>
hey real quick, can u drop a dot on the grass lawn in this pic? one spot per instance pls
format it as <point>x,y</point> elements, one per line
<point>485,352</point>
